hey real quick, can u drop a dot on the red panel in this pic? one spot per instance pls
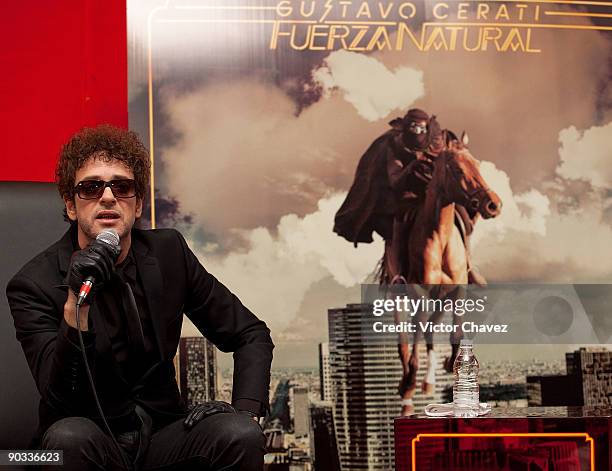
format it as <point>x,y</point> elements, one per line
<point>64,67</point>
<point>543,438</point>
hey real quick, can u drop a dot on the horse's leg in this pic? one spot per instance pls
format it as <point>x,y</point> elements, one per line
<point>407,384</point>
<point>409,379</point>
<point>410,358</point>
<point>394,276</point>
<point>398,250</point>
<point>429,381</point>
<point>403,349</point>
<point>393,260</point>
<point>455,268</point>
<point>432,276</point>
<point>409,361</point>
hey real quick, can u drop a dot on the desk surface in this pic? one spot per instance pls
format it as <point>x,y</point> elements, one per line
<point>527,412</point>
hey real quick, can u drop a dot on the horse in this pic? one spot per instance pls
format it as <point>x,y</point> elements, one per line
<point>436,251</point>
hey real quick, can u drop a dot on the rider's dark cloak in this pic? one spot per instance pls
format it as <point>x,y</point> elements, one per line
<point>369,205</point>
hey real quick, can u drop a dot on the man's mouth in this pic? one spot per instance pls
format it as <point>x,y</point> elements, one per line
<point>107,215</point>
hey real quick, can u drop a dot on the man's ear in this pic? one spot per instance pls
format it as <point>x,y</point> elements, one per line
<point>70,208</point>
<point>138,207</point>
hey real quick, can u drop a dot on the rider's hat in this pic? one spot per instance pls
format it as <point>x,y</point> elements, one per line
<point>415,114</point>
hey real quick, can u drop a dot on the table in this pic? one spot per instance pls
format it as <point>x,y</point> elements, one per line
<point>530,439</point>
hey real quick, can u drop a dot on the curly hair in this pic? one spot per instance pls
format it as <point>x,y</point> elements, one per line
<point>107,143</point>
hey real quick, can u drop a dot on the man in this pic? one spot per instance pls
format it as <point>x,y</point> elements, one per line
<point>130,327</point>
<point>389,187</point>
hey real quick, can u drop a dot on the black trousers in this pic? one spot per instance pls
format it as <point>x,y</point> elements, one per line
<point>219,442</point>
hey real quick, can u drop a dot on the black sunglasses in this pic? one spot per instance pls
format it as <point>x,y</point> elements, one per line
<point>94,189</point>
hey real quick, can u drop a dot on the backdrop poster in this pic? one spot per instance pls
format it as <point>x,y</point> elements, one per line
<point>257,113</point>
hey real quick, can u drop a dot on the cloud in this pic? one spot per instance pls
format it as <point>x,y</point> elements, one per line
<point>274,271</point>
<point>538,241</point>
<point>561,236</point>
<point>310,324</point>
<point>587,154</point>
<point>240,147</point>
<point>574,249</point>
<point>526,211</point>
<point>382,92</point>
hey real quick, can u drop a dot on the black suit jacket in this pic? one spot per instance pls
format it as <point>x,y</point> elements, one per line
<point>174,283</point>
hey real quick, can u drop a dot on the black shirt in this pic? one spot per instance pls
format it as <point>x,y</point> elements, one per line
<point>129,325</point>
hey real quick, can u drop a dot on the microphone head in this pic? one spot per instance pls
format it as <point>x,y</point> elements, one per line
<point>109,236</point>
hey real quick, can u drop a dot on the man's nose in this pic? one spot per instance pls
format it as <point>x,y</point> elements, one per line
<point>107,195</point>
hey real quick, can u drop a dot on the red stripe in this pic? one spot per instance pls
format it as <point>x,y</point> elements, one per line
<point>85,288</point>
<point>65,67</point>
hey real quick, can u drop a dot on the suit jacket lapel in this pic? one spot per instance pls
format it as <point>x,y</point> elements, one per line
<point>152,284</point>
<point>65,248</point>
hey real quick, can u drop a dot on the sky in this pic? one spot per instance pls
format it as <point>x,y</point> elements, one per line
<point>262,160</point>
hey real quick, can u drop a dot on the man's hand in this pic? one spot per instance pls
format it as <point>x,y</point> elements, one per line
<point>97,260</point>
<point>201,411</point>
<point>70,313</point>
<point>423,168</point>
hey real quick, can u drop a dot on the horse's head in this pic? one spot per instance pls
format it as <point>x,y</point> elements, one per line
<point>460,179</point>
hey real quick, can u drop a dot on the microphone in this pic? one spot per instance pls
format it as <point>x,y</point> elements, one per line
<point>107,236</point>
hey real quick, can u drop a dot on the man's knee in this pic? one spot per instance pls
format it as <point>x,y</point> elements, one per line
<point>236,430</point>
<point>247,432</point>
<point>70,433</point>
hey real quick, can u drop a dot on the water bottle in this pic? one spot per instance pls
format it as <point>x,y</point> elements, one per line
<point>466,400</point>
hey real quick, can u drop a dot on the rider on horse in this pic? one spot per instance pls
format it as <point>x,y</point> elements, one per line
<point>389,187</point>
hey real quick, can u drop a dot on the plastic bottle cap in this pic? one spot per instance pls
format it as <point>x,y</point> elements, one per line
<point>466,343</point>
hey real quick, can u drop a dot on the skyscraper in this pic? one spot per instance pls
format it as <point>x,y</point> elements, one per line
<point>365,371</point>
<point>323,448</point>
<point>300,411</point>
<point>592,368</point>
<point>324,372</point>
<point>197,366</point>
